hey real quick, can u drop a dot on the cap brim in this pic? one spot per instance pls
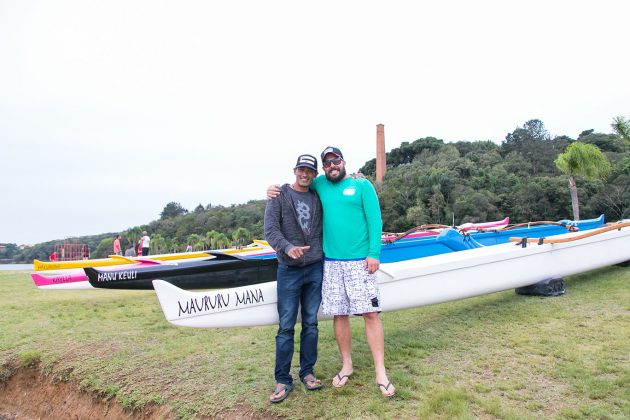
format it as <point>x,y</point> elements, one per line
<point>306,166</point>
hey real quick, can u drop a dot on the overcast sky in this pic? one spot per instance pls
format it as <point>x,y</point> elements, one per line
<point>111,109</point>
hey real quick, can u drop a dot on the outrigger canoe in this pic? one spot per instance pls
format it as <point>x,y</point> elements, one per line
<point>38,265</point>
<point>223,270</point>
<point>418,282</point>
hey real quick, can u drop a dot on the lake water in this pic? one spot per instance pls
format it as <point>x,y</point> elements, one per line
<point>13,267</point>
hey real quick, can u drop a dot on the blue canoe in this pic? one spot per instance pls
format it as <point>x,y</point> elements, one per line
<point>450,241</point>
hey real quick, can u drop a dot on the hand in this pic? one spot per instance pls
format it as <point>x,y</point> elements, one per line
<point>298,251</point>
<point>273,191</point>
<point>372,264</point>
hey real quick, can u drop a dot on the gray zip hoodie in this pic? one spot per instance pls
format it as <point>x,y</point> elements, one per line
<point>283,230</point>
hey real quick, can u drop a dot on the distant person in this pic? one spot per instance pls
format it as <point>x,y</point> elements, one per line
<point>86,252</point>
<point>117,248</point>
<point>144,242</point>
<point>293,228</point>
<point>53,256</point>
<point>189,248</point>
<point>130,252</point>
<point>139,252</point>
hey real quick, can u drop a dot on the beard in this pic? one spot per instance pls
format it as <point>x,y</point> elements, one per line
<point>339,177</point>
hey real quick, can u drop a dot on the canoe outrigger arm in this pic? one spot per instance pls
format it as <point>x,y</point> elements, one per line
<point>614,226</point>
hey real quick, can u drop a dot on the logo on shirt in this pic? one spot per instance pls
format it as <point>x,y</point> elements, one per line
<point>349,191</point>
<point>304,215</point>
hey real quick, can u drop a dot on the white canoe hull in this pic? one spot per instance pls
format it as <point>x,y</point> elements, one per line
<point>411,283</point>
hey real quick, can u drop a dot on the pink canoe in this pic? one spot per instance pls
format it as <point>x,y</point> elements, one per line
<point>465,227</point>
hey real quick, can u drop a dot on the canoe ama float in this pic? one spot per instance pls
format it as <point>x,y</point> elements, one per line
<point>418,282</point>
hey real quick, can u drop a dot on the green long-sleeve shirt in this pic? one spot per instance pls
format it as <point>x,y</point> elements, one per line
<point>352,222</point>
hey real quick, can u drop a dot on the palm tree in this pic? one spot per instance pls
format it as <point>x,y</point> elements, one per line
<point>222,241</point>
<point>241,236</point>
<point>582,159</point>
<point>132,235</point>
<point>157,244</point>
<point>211,239</point>
<point>195,240</point>
<point>621,127</point>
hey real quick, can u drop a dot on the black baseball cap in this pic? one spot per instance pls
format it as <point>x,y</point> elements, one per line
<point>306,161</point>
<point>331,149</point>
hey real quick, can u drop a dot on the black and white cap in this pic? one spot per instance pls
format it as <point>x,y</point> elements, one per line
<point>331,149</point>
<point>306,161</point>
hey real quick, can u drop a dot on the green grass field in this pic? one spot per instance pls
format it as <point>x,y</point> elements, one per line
<point>495,356</point>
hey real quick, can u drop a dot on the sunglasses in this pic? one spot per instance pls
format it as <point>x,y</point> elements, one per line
<point>335,161</point>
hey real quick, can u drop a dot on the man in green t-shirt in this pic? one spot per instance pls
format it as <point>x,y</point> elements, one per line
<point>352,229</point>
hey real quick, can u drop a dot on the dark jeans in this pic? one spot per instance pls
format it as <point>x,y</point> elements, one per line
<point>297,286</point>
<point>145,252</point>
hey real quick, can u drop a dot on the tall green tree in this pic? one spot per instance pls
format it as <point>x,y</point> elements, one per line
<point>104,248</point>
<point>172,209</point>
<point>621,127</point>
<point>534,143</point>
<point>582,159</point>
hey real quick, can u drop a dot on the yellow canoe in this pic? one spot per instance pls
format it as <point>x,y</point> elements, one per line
<point>62,265</point>
<point>256,245</point>
<point>118,260</point>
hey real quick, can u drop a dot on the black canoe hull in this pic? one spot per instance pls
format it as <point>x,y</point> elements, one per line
<point>224,271</point>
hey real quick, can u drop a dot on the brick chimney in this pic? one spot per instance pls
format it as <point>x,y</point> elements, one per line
<point>381,165</point>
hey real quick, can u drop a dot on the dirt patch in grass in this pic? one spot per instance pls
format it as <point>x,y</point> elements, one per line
<point>28,394</point>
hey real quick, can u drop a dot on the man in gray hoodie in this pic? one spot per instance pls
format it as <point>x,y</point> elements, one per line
<point>293,227</point>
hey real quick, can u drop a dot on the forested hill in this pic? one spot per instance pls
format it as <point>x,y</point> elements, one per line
<point>427,181</point>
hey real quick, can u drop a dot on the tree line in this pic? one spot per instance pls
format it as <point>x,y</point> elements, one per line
<point>209,227</point>
<point>427,181</point>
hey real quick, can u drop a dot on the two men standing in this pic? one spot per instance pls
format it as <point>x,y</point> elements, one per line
<point>351,244</point>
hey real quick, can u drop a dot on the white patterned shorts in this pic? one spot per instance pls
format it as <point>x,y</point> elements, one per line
<point>348,288</point>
